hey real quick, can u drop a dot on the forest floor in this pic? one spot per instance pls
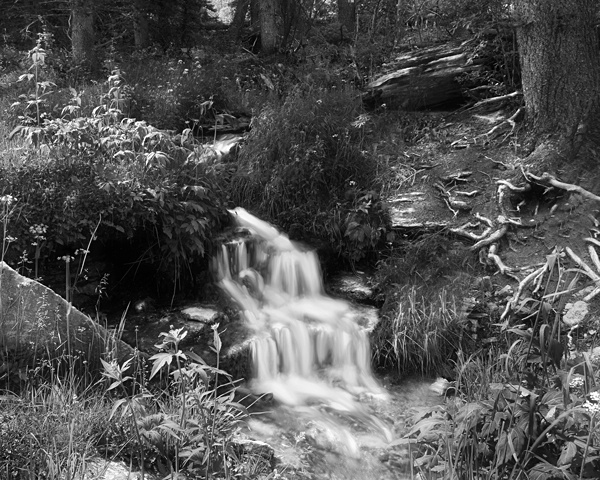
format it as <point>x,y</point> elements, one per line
<point>472,188</point>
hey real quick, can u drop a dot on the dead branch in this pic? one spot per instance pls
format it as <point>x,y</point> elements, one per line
<point>548,180</point>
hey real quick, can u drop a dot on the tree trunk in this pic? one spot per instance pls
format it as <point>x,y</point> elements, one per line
<point>255,14</point>
<point>82,33</point>
<point>269,33</point>
<point>400,20</point>
<point>140,24</point>
<point>347,15</point>
<point>560,69</point>
<point>237,24</point>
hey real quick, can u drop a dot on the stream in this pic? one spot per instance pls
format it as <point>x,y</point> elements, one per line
<point>310,352</point>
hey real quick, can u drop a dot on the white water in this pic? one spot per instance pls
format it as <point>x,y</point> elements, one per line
<point>308,348</point>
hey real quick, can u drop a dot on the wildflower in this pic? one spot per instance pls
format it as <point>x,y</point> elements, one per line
<point>7,200</point>
<point>576,382</point>
<point>593,408</point>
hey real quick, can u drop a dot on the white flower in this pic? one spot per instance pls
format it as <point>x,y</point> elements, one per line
<point>7,200</point>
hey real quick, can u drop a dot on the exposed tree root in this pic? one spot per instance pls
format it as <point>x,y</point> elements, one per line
<point>522,285</point>
<point>500,128</point>
<point>492,238</point>
<point>495,100</point>
<point>548,180</point>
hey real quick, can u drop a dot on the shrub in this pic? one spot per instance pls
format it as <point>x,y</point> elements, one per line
<point>509,430</point>
<point>303,169</point>
<point>129,180</point>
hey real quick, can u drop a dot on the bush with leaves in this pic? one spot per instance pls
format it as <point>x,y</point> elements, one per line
<point>191,431</point>
<point>512,433</point>
<point>303,169</point>
<point>133,181</point>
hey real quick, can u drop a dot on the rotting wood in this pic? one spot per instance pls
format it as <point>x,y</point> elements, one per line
<point>423,79</point>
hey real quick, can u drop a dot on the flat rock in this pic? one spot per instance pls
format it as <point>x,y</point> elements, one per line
<point>351,286</point>
<point>35,322</point>
<point>202,314</point>
<point>100,469</point>
<point>419,209</point>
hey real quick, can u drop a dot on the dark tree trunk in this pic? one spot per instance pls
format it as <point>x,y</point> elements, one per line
<point>140,24</point>
<point>347,15</point>
<point>255,14</point>
<point>269,32</point>
<point>237,24</point>
<point>291,13</point>
<point>82,33</point>
<point>560,69</point>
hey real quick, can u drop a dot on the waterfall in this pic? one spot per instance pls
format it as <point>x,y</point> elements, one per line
<point>307,347</point>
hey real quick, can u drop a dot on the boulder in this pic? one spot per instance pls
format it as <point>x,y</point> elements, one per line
<point>37,324</point>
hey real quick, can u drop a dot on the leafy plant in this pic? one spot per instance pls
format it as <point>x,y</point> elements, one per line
<point>303,169</point>
<point>190,432</point>
<point>117,176</point>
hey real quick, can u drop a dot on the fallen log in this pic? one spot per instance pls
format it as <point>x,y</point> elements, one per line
<point>423,79</point>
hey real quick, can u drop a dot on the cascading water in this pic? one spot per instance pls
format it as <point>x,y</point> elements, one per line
<point>307,348</point>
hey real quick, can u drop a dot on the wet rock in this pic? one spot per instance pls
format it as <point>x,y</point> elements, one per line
<point>575,313</point>
<point>101,469</point>
<point>332,438</point>
<point>145,305</point>
<point>351,286</point>
<point>366,316</point>
<point>255,451</point>
<point>202,314</point>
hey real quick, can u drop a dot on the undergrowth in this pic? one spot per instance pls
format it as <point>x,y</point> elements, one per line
<point>517,407</point>
<point>304,169</point>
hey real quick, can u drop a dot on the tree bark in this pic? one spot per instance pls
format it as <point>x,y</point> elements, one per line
<point>140,24</point>
<point>269,32</point>
<point>82,33</point>
<point>347,15</point>
<point>255,14</point>
<point>237,24</point>
<point>560,69</point>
